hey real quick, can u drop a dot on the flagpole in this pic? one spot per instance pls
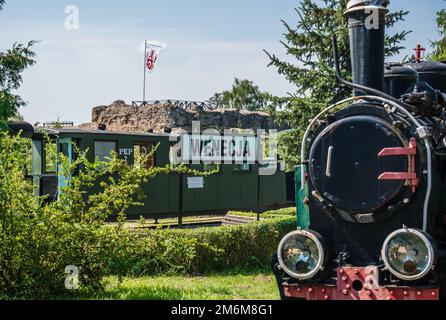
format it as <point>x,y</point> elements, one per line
<point>144,88</point>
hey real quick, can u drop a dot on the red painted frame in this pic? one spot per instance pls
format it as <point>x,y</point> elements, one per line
<point>351,279</point>
<point>411,152</point>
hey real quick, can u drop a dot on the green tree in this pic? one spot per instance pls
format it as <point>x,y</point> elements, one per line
<point>439,46</point>
<point>310,66</point>
<point>244,95</point>
<point>12,63</point>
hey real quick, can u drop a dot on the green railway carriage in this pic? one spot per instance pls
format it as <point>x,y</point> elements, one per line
<point>234,187</point>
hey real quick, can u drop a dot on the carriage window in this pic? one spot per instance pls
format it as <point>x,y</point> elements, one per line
<point>142,150</point>
<point>64,148</point>
<point>50,157</point>
<point>104,149</point>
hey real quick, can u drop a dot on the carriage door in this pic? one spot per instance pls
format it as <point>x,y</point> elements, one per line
<point>37,165</point>
<point>65,147</point>
<point>141,151</point>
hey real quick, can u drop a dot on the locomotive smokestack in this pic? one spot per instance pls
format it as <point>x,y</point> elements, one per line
<point>366,22</point>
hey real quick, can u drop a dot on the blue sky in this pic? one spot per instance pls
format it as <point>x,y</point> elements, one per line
<point>208,44</point>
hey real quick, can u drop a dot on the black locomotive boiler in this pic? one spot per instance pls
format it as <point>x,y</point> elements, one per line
<point>371,186</point>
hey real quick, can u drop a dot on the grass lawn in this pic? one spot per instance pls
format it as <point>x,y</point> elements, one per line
<point>256,286</point>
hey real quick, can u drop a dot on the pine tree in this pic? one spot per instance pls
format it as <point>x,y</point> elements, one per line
<point>311,65</point>
<point>12,63</point>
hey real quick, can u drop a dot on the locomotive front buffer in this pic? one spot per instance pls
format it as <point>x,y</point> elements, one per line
<point>359,284</point>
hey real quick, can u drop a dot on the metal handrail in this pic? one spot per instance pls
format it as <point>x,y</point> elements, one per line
<point>184,104</point>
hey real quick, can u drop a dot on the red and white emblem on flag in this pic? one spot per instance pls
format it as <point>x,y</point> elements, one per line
<point>152,56</point>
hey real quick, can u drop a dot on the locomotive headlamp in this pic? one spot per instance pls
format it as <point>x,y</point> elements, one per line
<point>409,254</point>
<point>301,254</point>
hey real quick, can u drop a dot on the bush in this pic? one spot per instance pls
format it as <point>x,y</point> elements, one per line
<point>272,214</point>
<point>284,212</point>
<point>39,241</point>
<point>198,251</point>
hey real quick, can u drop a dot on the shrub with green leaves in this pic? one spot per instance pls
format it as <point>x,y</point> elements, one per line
<point>272,214</point>
<point>199,251</point>
<point>39,240</point>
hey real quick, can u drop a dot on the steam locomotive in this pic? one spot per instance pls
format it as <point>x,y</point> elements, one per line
<point>372,183</point>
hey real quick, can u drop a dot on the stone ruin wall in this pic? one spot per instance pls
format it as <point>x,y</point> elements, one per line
<point>164,117</point>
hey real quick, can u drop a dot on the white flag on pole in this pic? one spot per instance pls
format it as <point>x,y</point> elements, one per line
<point>152,55</point>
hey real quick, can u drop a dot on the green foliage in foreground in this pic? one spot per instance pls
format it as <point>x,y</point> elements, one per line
<point>272,214</point>
<point>250,286</point>
<point>199,251</point>
<point>38,241</point>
